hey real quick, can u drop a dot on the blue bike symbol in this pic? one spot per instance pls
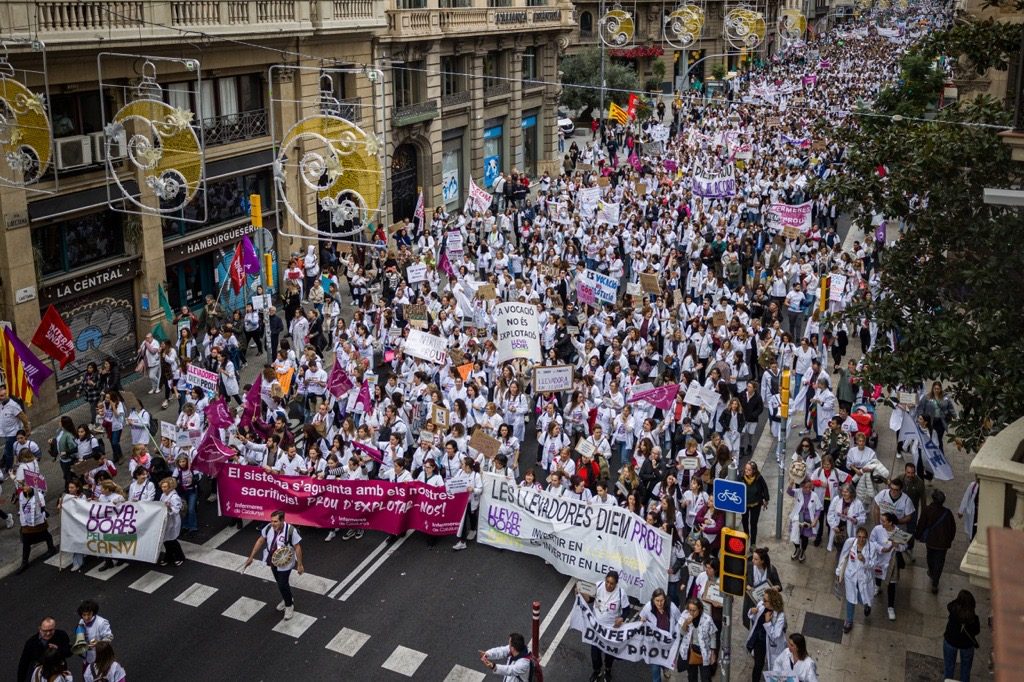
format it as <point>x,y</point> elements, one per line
<point>728,496</point>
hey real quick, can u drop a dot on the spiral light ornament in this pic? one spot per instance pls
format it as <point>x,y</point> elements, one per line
<point>744,28</point>
<point>684,26</point>
<point>616,27</point>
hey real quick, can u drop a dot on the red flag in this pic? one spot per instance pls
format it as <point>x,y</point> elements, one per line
<point>632,104</point>
<point>53,337</point>
<point>211,454</point>
<point>217,415</point>
<point>236,270</point>
<point>445,265</point>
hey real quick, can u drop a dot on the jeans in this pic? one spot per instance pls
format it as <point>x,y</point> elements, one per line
<point>115,445</point>
<point>191,497</point>
<point>8,462</point>
<point>750,519</point>
<point>598,657</point>
<point>949,653</point>
<point>849,611</point>
<point>285,589</point>
<point>936,562</point>
<point>656,672</point>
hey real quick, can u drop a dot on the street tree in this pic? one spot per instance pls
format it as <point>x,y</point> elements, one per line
<point>581,81</point>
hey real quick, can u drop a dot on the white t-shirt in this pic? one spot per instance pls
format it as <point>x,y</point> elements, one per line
<point>277,539</point>
<point>9,422</point>
<point>609,605</point>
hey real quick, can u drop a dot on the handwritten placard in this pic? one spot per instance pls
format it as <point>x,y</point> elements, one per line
<point>790,232</point>
<point>440,416</point>
<point>603,181</point>
<point>718,318</point>
<point>649,282</point>
<point>585,448</point>
<point>486,292</point>
<point>416,313</point>
<point>634,289</point>
<point>485,443</point>
<point>552,379</point>
<point>690,463</point>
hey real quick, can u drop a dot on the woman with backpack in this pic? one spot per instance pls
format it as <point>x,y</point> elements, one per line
<point>172,523</point>
<point>104,668</point>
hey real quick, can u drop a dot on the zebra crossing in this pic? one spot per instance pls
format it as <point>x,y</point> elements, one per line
<point>347,642</point>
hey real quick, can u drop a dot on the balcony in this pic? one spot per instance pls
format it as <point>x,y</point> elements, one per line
<point>247,125</point>
<point>498,89</point>
<point>348,109</point>
<point>456,99</point>
<point>414,113</point>
<point>61,22</point>
<point>999,466</point>
<point>426,23</point>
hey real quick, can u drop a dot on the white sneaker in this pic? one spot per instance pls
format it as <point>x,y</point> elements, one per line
<point>330,536</point>
<point>459,546</point>
<point>163,405</point>
<point>892,613</point>
<point>349,534</point>
<point>471,535</point>
<point>212,497</point>
<point>9,523</point>
<point>280,605</point>
<point>289,611</point>
<point>359,534</point>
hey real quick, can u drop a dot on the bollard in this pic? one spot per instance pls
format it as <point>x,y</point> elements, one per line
<point>536,629</point>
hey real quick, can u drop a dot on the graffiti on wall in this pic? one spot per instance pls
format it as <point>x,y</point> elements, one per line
<point>101,328</point>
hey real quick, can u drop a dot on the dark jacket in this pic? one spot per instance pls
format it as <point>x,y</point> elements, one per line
<point>32,653</point>
<point>726,418</point>
<point>757,492</point>
<point>936,528</point>
<point>752,406</point>
<point>959,633</point>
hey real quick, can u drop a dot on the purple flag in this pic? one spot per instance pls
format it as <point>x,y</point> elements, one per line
<point>250,261</point>
<point>445,265</point>
<point>371,451</point>
<point>364,397</point>
<point>35,371</point>
<point>338,383</point>
<point>252,404</point>
<point>211,454</point>
<point>217,415</point>
<point>662,396</point>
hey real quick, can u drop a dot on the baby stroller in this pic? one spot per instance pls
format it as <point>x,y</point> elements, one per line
<point>864,414</point>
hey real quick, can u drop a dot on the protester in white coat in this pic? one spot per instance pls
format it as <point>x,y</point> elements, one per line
<point>660,613</point>
<point>826,404</point>
<point>805,516</point>
<point>845,515</point>
<point>796,661</point>
<point>855,574</point>
<point>766,640</point>
<point>172,524</point>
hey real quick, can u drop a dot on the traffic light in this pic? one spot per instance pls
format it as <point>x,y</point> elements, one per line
<point>733,568</point>
<point>823,294</point>
<point>256,210</point>
<point>784,393</point>
<point>268,269</point>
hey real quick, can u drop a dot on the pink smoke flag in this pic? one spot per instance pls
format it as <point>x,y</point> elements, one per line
<point>250,261</point>
<point>339,383</point>
<point>445,265</point>
<point>211,454</point>
<point>252,404</point>
<point>364,397</point>
<point>371,451</point>
<point>661,397</point>
<point>217,415</point>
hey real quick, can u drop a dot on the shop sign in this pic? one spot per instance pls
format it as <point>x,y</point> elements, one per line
<point>85,284</point>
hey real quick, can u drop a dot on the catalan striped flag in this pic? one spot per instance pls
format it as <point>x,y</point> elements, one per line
<point>23,372</point>
<point>618,113</point>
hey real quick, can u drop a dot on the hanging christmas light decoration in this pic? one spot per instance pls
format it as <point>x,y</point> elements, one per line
<point>792,26</point>
<point>326,163</point>
<point>684,26</point>
<point>26,139</point>
<point>617,27</point>
<point>158,142</point>
<point>744,27</point>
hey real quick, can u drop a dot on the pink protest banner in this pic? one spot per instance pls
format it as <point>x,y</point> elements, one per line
<point>248,492</point>
<point>34,480</point>
<point>662,396</point>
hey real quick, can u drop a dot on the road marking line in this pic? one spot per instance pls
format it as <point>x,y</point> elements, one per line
<point>461,673</point>
<point>223,536</point>
<point>556,607</point>
<point>348,642</point>
<point>107,574</point>
<point>376,564</point>
<point>295,627</point>
<point>357,570</point>
<point>230,561</point>
<point>195,595</point>
<point>404,661</point>
<point>151,582</point>
<point>243,609</point>
<point>556,641</point>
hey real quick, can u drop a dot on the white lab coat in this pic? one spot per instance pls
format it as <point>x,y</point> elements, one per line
<point>858,576</point>
<point>172,524</point>
<point>814,507</point>
<point>967,508</point>
<point>855,515</point>
<point>775,635</point>
<point>805,670</point>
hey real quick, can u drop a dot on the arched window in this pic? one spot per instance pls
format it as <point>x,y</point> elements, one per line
<point>586,23</point>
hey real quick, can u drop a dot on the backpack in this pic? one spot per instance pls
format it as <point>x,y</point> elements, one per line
<point>602,463</point>
<point>536,673</point>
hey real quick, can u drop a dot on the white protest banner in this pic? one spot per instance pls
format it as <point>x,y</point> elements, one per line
<point>426,347</point>
<point>203,378</point>
<point>720,185</point>
<point>836,287</point>
<point>578,539</point>
<point>168,430</point>
<point>709,398</point>
<point>416,273</point>
<point>633,641</point>
<point>479,198</point>
<point>132,530</point>
<point>607,213</point>
<point>518,331</point>
<point>588,198</point>
<point>605,288</point>
<point>692,396</point>
<point>552,379</point>
<point>798,215</point>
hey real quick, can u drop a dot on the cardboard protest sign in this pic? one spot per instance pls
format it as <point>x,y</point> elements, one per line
<point>484,443</point>
<point>649,282</point>
<point>416,314</point>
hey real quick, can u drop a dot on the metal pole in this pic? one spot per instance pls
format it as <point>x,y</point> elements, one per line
<point>536,629</point>
<point>600,113</point>
<point>780,453</point>
<point>725,655</point>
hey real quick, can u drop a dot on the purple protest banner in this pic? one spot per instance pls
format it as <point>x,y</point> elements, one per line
<point>217,414</point>
<point>35,480</point>
<point>339,383</point>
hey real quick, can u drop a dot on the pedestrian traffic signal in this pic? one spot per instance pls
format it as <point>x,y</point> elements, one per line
<point>733,568</point>
<point>787,376</point>
<point>256,210</point>
<point>823,294</point>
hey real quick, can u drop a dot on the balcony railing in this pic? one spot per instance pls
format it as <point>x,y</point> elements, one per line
<point>456,99</point>
<point>414,113</point>
<point>999,467</point>
<point>497,89</point>
<point>469,20</point>
<point>348,109</point>
<point>76,21</point>
<point>246,125</point>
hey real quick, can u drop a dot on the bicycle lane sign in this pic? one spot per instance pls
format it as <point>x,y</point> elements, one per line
<point>730,496</point>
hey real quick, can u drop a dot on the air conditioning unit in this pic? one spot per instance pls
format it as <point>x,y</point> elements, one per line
<point>73,152</point>
<point>118,146</point>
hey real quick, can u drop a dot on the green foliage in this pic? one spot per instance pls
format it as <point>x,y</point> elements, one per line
<point>954,283</point>
<point>719,72</point>
<point>581,81</point>
<point>983,45</point>
<point>658,70</point>
<point>918,87</point>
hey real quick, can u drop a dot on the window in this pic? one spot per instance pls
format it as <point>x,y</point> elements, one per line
<point>586,23</point>
<point>536,3</point>
<point>69,245</point>
<point>494,69</point>
<point>223,203</point>
<point>530,57</point>
<point>455,3</point>
<point>222,98</point>
<point>412,4</point>
<point>78,114</point>
<point>530,143</point>
<point>407,79</point>
<point>499,3</point>
<point>453,74</point>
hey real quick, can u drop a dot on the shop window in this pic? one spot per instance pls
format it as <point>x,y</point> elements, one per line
<point>226,200</point>
<point>73,244</point>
